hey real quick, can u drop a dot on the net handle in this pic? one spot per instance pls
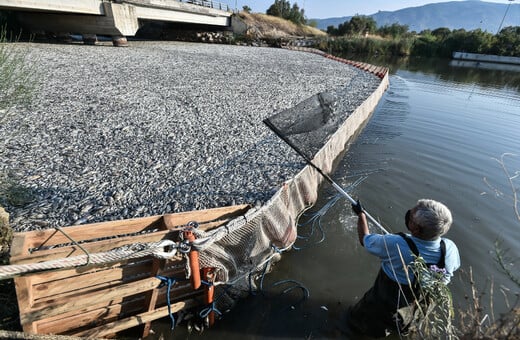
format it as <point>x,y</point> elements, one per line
<point>327,177</point>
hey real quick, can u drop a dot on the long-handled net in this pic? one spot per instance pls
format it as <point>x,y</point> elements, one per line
<point>308,126</point>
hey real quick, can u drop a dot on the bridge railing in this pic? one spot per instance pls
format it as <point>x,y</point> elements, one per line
<point>209,3</point>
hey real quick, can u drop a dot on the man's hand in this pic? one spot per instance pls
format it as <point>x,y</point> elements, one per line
<point>357,207</point>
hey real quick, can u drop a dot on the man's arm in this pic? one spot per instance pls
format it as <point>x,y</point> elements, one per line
<point>362,224</point>
<point>362,227</point>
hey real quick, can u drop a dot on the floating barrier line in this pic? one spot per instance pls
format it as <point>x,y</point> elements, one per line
<point>379,71</point>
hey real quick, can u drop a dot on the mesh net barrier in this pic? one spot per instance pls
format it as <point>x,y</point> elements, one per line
<point>311,123</point>
<point>240,251</point>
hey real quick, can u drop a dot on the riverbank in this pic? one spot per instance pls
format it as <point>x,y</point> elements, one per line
<point>158,128</point>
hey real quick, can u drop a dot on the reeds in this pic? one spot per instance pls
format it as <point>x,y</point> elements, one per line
<point>18,79</point>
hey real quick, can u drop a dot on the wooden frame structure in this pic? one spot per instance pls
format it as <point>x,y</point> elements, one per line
<point>101,300</point>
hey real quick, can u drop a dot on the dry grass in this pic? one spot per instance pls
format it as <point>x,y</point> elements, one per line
<point>265,26</point>
<point>6,235</point>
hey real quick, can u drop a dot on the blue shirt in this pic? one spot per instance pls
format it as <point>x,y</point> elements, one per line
<point>391,247</point>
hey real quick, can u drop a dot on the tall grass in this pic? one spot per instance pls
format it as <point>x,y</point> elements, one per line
<point>274,27</point>
<point>475,322</point>
<point>18,83</point>
<point>434,308</point>
<point>18,79</point>
<point>367,46</point>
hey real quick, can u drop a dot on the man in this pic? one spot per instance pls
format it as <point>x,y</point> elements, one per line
<point>376,313</point>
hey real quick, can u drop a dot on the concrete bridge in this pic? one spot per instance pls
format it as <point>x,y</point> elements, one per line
<point>116,18</point>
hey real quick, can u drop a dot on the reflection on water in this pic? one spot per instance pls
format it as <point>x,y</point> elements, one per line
<point>494,76</point>
<point>437,133</point>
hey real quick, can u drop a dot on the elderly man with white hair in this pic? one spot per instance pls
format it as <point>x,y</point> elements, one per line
<point>375,314</point>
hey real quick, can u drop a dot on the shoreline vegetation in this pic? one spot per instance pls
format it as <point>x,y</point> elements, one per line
<point>360,36</point>
<point>356,37</point>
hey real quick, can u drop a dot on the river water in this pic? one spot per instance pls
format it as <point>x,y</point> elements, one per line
<point>441,131</point>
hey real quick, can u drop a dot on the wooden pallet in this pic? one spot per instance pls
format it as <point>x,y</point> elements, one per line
<point>101,300</point>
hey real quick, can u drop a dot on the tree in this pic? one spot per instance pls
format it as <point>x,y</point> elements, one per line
<point>508,42</point>
<point>246,9</point>
<point>441,33</point>
<point>361,24</point>
<point>296,14</point>
<point>283,9</point>
<point>332,30</point>
<point>358,25</point>
<point>476,41</point>
<point>280,8</point>
<point>395,30</point>
<point>426,32</point>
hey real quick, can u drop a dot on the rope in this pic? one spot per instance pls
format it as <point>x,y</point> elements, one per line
<point>266,261</point>
<point>211,307</point>
<point>315,222</point>
<point>315,219</point>
<point>154,249</point>
<point>169,281</point>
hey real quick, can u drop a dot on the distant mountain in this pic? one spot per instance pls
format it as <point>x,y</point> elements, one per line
<point>469,15</point>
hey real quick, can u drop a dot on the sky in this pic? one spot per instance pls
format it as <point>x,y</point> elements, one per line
<point>321,9</point>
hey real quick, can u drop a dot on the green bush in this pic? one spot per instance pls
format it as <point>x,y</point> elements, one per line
<point>425,46</point>
<point>440,42</point>
<point>349,46</point>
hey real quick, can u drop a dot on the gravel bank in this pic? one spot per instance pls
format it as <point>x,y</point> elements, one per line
<point>158,127</point>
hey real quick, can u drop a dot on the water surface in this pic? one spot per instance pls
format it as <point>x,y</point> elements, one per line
<point>439,132</point>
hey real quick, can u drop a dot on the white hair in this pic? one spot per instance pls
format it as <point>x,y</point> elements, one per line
<point>433,218</point>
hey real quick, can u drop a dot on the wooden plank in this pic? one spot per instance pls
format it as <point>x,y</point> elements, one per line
<point>102,270</point>
<point>136,320</point>
<point>179,219</point>
<point>49,285</point>
<point>23,286</point>
<point>151,299</point>
<point>32,240</point>
<point>84,283</point>
<point>105,245</point>
<point>101,314</point>
<point>62,305</point>
<point>76,286</point>
<point>90,295</point>
<point>18,247</point>
<point>52,237</point>
<point>92,247</point>
<point>212,225</point>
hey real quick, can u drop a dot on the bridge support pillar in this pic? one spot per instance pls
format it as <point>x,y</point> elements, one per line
<point>119,20</point>
<point>119,41</point>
